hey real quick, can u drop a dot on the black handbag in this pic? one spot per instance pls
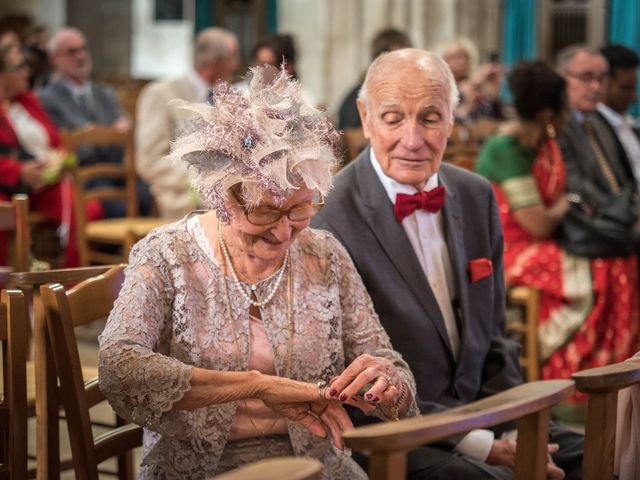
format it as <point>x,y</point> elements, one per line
<point>605,232</point>
<point>609,231</point>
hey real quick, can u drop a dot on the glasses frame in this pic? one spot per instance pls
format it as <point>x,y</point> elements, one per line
<point>282,212</point>
<point>589,77</point>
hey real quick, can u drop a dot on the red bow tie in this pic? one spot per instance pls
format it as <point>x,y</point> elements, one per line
<point>431,201</point>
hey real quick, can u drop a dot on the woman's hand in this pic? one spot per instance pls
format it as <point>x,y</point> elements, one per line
<point>319,417</point>
<point>303,403</point>
<point>368,381</point>
<point>31,174</point>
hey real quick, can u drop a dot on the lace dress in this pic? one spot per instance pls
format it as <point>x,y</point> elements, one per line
<point>171,316</point>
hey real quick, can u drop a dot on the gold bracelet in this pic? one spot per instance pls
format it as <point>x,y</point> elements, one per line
<point>392,411</point>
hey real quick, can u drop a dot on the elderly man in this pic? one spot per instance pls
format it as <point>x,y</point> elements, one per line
<point>587,136</point>
<point>216,58</point>
<point>620,94</point>
<point>427,241</point>
<point>73,100</point>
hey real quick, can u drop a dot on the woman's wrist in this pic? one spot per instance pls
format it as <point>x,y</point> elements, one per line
<point>393,410</point>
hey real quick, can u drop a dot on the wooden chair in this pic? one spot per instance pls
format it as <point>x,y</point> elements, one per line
<point>64,310</point>
<point>602,384</point>
<point>526,330</point>
<point>40,371</point>
<point>14,221</point>
<point>529,404</point>
<point>118,232</point>
<point>280,468</point>
<point>13,403</point>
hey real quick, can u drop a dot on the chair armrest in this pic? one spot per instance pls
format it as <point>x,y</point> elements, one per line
<point>279,468</point>
<point>609,378</point>
<point>61,275</point>
<point>118,441</point>
<point>505,406</point>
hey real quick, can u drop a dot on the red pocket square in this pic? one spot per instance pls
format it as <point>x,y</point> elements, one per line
<point>480,268</point>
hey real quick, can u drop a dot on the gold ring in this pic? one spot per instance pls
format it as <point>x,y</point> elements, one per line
<point>322,388</point>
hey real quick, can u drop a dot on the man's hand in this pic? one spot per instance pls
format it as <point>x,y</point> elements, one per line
<point>503,452</point>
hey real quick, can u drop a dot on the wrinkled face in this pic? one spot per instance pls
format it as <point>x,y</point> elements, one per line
<point>14,78</point>
<point>266,242</point>
<point>408,120</point>
<point>72,58</point>
<point>621,91</point>
<point>586,76</point>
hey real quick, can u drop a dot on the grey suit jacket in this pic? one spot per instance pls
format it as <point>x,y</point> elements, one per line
<point>358,212</point>
<point>66,112</point>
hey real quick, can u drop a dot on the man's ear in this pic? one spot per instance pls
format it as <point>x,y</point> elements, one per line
<point>362,110</point>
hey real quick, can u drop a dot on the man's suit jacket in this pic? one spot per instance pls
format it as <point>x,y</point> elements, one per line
<point>359,213</point>
<point>67,113</point>
<point>584,175</point>
<point>612,145</point>
<point>156,125</point>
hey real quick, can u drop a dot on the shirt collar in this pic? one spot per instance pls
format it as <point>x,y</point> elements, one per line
<point>75,89</point>
<point>611,116</point>
<point>392,187</point>
<point>201,87</point>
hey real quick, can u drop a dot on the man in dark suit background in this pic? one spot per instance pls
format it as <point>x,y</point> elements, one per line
<point>619,95</point>
<point>73,100</point>
<point>434,274</point>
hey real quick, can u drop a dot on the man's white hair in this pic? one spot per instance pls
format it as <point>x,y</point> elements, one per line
<point>433,66</point>
<point>54,42</point>
<point>214,44</point>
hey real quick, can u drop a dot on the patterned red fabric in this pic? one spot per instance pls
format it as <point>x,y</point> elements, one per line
<point>611,331</point>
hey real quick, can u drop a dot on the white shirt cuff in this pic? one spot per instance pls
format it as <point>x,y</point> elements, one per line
<point>476,444</point>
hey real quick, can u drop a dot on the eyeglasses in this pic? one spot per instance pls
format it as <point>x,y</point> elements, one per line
<point>72,52</point>
<point>15,68</point>
<point>262,215</point>
<point>588,77</point>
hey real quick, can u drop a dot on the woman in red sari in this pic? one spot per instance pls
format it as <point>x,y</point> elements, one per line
<point>28,141</point>
<point>588,307</point>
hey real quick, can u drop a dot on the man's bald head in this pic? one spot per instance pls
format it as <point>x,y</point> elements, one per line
<point>411,61</point>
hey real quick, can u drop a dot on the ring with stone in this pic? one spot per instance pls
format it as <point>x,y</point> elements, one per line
<point>322,388</point>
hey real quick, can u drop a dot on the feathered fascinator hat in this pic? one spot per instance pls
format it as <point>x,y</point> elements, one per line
<point>267,139</point>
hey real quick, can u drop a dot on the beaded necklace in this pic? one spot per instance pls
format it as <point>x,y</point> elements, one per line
<point>248,296</point>
<point>290,327</point>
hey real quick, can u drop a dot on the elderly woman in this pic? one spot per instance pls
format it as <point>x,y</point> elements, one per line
<point>231,335</point>
<point>29,146</point>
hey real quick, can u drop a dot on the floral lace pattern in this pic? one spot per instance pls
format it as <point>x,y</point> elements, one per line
<point>171,316</point>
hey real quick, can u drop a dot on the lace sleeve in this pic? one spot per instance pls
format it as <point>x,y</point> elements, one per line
<point>362,331</point>
<point>141,383</point>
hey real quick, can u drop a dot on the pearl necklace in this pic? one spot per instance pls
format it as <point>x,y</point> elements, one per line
<point>291,330</point>
<point>253,287</point>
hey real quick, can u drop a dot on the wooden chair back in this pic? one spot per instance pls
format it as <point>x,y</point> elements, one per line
<point>64,310</point>
<point>279,468</point>
<point>602,384</point>
<point>529,404</point>
<point>119,232</point>
<point>46,403</point>
<point>101,135</point>
<point>525,329</point>
<point>14,221</point>
<point>13,403</point>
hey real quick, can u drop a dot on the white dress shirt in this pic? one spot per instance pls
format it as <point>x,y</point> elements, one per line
<point>425,231</point>
<point>201,87</point>
<point>628,138</point>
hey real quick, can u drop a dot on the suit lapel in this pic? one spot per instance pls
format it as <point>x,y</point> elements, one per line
<point>454,236</point>
<point>378,213</point>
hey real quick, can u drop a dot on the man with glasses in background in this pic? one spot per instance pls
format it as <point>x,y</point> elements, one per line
<point>73,101</point>
<point>586,139</point>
